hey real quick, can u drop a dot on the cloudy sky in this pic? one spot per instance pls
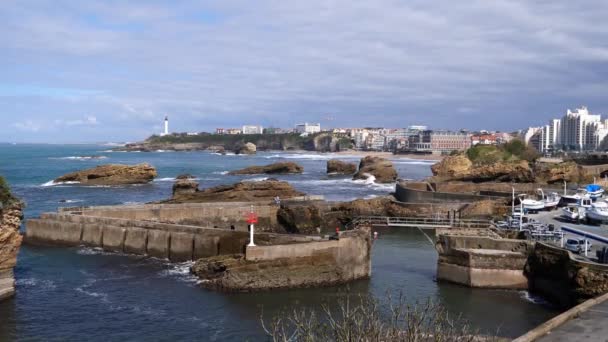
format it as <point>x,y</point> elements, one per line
<point>78,71</point>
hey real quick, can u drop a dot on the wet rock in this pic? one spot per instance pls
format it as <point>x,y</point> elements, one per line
<point>382,169</point>
<point>246,148</point>
<point>184,184</point>
<point>335,166</point>
<point>10,241</point>
<point>276,168</point>
<point>243,191</point>
<point>112,174</point>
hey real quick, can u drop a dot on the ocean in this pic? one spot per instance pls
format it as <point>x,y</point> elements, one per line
<point>83,293</point>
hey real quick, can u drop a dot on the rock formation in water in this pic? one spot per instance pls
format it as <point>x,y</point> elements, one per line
<point>243,191</point>
<point>10,239</point>
<point>184,184</point>
<point>382,169</point>
<point>111,174</point>
<point>339,167</point>
<point>246,148</point>
<point>276,168</point>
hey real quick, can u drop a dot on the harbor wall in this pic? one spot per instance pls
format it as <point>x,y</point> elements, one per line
<point>412,193</point>
<point>219,215</point>
<point>319,263</point>
<point>163,240</point>
<point>481,261</point>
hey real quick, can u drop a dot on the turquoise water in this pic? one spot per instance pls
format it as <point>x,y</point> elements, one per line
<point>81,293</point>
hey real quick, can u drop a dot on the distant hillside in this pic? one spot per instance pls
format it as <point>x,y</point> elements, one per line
<point>322,142</point>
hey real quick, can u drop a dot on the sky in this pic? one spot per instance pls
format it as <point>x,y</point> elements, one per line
<point>97,71</point>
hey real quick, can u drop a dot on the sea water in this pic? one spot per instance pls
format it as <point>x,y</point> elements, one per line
<point>87,294</point>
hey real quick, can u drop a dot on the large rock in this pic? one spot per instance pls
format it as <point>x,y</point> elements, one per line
<point>382,169</point>
<point>452,167</point>
<point>300,219</point>
<point>335,166</point>
<point>239,192</point>
<point>112,174</point>
<point>511,171</point>
<point>184,184</point>
<point>246,148</point>
<point>276,168</point>
<point>460,168</point>
<point>557,173</point>
<point>10,241</point>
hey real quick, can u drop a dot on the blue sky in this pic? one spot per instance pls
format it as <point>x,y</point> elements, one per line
<point>82,71</point>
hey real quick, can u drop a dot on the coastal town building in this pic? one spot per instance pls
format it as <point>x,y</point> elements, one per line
<point>308,128</point>
<point>577,130</point>
<point>484,139</point>
<point>439,141</point>
<point>253,129</point>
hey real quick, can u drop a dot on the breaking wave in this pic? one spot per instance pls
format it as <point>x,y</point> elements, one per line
<point>80,157</point>
<point>53,183</point>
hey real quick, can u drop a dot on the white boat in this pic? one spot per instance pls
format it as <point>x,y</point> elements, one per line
<point>573,213</point>
<point>532,205</point>
<point>598,212</point>
<point>551,200</point>
<point>594,191</point>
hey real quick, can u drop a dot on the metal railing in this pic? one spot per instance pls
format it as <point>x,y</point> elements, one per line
<point>419,222</point>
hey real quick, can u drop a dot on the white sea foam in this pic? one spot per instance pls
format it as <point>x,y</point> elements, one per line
<point>533,298</point>
<point>34,282</point>
<point>80,157</point>
<point>53,183</point>
<point>220,172</point>
<point>71,201</point>
<point>179,271</point>
<point>166,179</point>
<point>256,179</point>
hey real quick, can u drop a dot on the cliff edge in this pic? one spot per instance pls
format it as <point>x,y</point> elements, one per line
<point>10,239</point>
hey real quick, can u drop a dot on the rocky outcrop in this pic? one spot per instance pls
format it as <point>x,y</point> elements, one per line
<point>10,241</point>
<point>339,167</point>
<point>300,219</point>
<point>184,184</point>
<point>558,173</point>
<point>246,148</point>
<point>460,168</point>
<point>452,167</point>
<point>238,192</point>
<point>380,168</point>
<point>111,174</point>
<point>556,275</point>
<point>316,263</point>
<point>272,169</point>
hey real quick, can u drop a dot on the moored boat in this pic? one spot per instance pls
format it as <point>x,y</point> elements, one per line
<point>598,212</point>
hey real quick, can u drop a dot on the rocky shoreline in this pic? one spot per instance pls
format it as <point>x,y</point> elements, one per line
<point>11,215</point>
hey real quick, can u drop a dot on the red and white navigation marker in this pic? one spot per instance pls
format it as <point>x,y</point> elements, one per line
<point>252,218</point>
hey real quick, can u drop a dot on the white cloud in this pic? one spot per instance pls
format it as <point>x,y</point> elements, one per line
<point>484,64</point>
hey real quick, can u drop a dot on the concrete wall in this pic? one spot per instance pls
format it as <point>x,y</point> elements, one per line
<point>173,241</point>
<point>482,261</point>
<point>404,193</point>
<point>221,215</point>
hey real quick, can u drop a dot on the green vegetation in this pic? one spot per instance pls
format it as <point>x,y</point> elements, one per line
<point>511,151</point>
<point>345,143</point>
<point>271,141</point>
<point>6,198</point>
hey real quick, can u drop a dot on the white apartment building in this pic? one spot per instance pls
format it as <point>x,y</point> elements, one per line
<point>308,128</point>
<point>577,130</point>
<point>252,129</point>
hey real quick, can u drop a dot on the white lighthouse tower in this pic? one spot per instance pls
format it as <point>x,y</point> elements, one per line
<point>166,132</point>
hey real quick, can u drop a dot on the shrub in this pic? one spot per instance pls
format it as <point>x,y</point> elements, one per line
<point>6,197</point>
<point>368,320</point>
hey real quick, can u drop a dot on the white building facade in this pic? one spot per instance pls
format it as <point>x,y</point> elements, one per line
<point>308,128</point>
<point>578,130</point>
<point>252,129</point>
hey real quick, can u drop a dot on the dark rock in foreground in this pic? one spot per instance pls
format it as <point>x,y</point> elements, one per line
<point>184,185</point>
<point>276,168</point>
<point>382,169</point>
<point>111,174</point>
<point>242,191</point>
<point>335,166</point>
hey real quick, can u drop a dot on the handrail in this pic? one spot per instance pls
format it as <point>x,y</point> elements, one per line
<point>418,221</point>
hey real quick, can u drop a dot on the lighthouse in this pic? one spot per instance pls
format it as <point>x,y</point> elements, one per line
<point>166,132</point>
